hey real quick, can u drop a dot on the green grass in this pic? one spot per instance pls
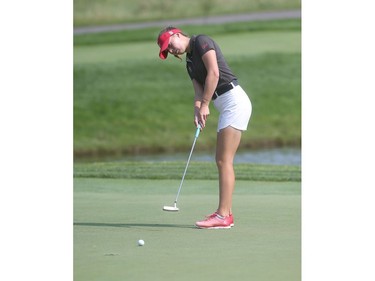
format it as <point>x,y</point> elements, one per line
<point>99,12</point>
<point>126,100</point>
<point>174,170</point>
<point>110,215</point>
<point>247,44</point>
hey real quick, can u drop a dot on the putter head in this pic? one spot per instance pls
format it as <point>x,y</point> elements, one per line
<point>171,208</point>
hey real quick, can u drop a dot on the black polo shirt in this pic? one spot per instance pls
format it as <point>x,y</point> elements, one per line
<point>199,45</point>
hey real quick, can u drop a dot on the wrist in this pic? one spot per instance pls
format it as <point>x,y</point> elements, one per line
<point>205,102</point>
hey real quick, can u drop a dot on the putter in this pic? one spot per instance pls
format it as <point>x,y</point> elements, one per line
<point>174,208</point>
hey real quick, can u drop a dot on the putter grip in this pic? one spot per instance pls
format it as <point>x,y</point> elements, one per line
<point>197,131</point>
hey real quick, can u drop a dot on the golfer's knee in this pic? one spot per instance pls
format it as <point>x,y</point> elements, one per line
<point>222,163</point>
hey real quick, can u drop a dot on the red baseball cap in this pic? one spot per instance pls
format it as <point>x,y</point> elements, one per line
<point>163,42</point>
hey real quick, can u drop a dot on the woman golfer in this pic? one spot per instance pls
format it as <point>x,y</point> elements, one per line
<point>213,81</point>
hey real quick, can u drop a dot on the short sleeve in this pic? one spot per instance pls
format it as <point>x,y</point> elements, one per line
<point>203,44</point>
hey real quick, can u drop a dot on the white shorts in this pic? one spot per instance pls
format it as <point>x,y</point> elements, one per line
<point>235,109</point>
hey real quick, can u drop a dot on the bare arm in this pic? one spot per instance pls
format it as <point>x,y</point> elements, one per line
<point>212,78</point>
<point>198,89</point>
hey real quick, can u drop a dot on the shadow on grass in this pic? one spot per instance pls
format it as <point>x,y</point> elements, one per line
<point>132,225</point>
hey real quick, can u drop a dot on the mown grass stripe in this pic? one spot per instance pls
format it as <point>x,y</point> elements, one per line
<point>174,170</point>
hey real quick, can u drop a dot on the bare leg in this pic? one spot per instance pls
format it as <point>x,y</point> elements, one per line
<point>228,140</point>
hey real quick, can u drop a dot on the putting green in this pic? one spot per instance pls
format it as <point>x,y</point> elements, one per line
<point>111,215</point>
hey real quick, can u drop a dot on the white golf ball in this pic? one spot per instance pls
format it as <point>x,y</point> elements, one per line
<point>141,242</point>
